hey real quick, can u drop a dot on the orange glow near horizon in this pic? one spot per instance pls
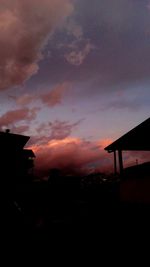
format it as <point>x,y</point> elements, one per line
<point>55,143</point>
<point>105,142</point>
<point>69,140</point>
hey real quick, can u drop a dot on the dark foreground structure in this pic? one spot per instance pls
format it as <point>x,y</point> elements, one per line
<point>16,162</point>
<point>16,173</point>
<point>132,210</point>
<point>138,139</point>
<point>42,209</point>
<point>135,180</point>
<point>91,211</point>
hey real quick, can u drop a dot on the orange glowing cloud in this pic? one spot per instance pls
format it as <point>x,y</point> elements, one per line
<point>71,154</point>
<point>105,142</point>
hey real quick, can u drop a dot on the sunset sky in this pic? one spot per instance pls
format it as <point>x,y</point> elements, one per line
<point>74,75</point>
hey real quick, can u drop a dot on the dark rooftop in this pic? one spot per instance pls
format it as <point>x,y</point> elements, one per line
<point>137,139</point>
<point>9,140</point>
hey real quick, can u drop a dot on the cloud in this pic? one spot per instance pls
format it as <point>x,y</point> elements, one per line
<point>62,129</point>
<point>24,29</point>
<point>120,32</point>
<point>74,29</point>
<point>51,98</point>
<point>55,96</point>
<point>57,130</point>
<point>53,131</point>
<point>132,105</point>
<point>25,99</point>
<point>70,154</point>
<point>122,100</point>
<point>22,129</point>
<point>18,115</point>
<point>76,47</point>
<point>77,57</point>
<point>75,155</point>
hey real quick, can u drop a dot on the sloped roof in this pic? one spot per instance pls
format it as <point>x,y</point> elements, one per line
<point>136,139</point>
<point>13,141</point>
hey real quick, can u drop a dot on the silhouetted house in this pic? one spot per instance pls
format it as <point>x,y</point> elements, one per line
<point>135,185</point>
<point>15,161</point>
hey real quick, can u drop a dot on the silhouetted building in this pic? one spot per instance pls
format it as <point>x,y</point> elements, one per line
<point>138,139</point>
<point>16,162</point>
<point>135,187</point>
